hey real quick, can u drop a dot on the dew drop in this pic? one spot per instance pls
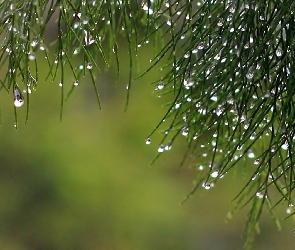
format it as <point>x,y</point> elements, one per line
<point>188,83</point>
<point>85,20</point>
<point>195,136</point>
<point>32,55</point>
<point>250,74</point>
<point>285,146</point>
<point>256,162</point>
<point>89,65</point>
<point>148,141</point>
<point>201,46</point>
<point>42,47</point>
<point>231,8</point>
<point>220,22</point>
<point>187,55</point>
<point>177,105</point>
<point>60,83</point>
<point>207,185</point>
<point>18,98</point>
<point>254,177</point>
<point>34,43</point>
<point>76,83</point>
<point>161,148</point>
<point>185,131</point>
<point>160,86</point>
<point>251,154</point>
<point>76,25</point>
<point>214,98</point>
<point>259,195</point>
<point>214,174</point>
<point>279,52</point>
<point>168,146</point>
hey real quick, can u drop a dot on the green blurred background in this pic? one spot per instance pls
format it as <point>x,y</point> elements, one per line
<point>85,182</point>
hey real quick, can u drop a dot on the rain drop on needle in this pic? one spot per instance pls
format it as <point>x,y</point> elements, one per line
<point>18,98</point>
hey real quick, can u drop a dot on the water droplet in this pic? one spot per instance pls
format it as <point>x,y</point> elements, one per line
<point>279,52</point>
<point>18,98</point>
<point>251,153</point>
<point>177,105</point>
<point>42,47</point>
<point>189,99</point>
<point>207,185</point>
<point>34,43</point>
<point>168,146</point>
<point>148,141</point>
<point>285,146</point>
<point>187,55</point>
<point>214,98</point>
<point>254,177</point>
<point>85,20</point>
<point>195,136</point>
<point>60,83</point>
<point>188,83</point>
<point>259,195</point>
<point>250,73</point>
<point>32,55</point>
<point>214,174</point>
<point>76,83</point>
<point>229,18</point>
<point>231,8</point>
<point>201,46</point>
<point>256,162</point>
<point>220,22</point>
<point>185,131</point>
<point>76,25</point>
<point>160,85</point>
<point>89,65</point>
<point>161,148</point>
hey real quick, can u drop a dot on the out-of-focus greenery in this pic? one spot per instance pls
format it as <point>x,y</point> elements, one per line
<point>85,183</point>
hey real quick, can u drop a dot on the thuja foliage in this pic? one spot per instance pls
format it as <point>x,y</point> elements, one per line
<point>229,71</point>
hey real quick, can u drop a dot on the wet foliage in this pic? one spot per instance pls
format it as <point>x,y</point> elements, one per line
<point>227,67</point>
